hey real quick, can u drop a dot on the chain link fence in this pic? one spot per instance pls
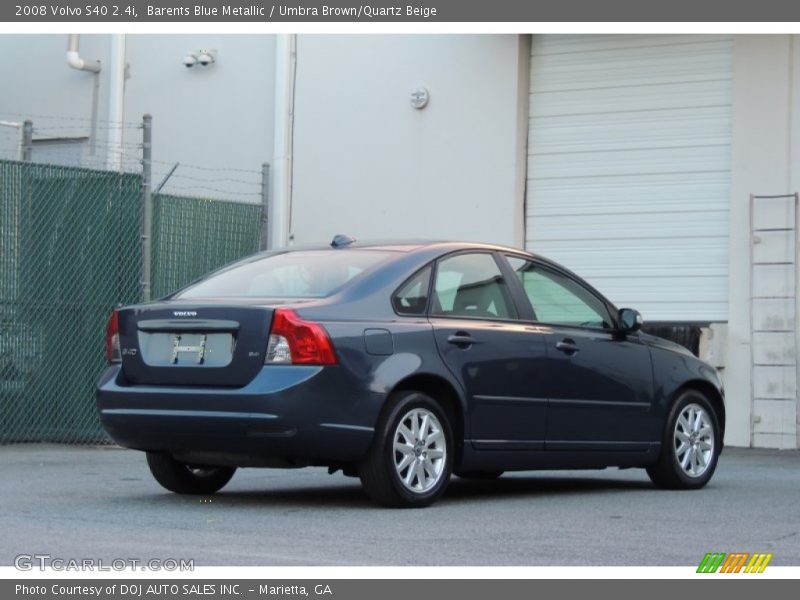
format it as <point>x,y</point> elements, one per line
<point>70,250</point>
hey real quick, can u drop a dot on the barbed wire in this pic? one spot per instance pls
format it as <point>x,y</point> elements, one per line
<point>66,159</point>
<point>92,123</point>
<point>89,126</point>
<point>170,186</point>
<point>215,180</point>
<point>128,147</point>
<point>188,190</point>
<point>83,158</point>
<point>31,116</point>
<point>182,165</point>
<point>79,148</point>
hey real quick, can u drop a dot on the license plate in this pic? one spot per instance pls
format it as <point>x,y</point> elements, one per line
<point>197,352</point>
<point>186,349</point>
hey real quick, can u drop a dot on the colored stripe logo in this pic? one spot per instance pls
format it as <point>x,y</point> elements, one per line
<point>735,562</point>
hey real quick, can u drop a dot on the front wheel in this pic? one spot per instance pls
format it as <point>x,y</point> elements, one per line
<point>411,457</point>
<point>183,478</point>
<point>691,444</point>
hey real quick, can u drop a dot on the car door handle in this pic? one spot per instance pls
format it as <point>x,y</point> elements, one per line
<point>460,339</point>
<point>567,346</point>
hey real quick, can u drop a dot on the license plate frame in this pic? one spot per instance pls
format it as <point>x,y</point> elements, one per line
<point>187,349</point>
<point>200,350</point>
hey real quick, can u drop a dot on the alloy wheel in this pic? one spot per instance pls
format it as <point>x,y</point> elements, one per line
<point>420,450</point>
<point>694,440</point>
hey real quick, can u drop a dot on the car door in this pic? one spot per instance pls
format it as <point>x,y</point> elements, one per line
<point>498,359</point>
<point>600,380</point>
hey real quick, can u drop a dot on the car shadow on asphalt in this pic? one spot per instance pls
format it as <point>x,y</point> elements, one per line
<point>533,486</point>
<point>344,494</point>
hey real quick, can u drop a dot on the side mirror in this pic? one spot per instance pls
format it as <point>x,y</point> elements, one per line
<point>630,319</point>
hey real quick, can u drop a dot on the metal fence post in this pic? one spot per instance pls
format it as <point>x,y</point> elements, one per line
<point>264,240</point>
<point>147,207</point>
<point>27,140</point>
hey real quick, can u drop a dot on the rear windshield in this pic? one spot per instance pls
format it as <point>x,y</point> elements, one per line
<point>300,274</point>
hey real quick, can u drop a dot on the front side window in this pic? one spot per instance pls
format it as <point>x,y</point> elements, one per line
<point>471,286</point>
<point>559,299</point>
<point>297,274</point>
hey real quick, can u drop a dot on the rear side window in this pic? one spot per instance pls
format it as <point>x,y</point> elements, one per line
<point>472,286</point>
<point>412,297</point>
<point>299,274</point>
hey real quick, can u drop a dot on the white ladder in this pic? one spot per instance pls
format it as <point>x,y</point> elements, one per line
<point>773,320</point>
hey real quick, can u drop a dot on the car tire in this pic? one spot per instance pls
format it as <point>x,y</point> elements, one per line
<point>690,446</point>
<point>182,478</point>
<point>411,457</point>
<point>479,475</point>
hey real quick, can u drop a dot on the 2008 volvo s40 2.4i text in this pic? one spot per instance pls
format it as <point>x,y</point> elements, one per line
<point>402,364</point>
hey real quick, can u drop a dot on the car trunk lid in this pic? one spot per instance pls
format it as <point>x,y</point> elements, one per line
<point>168,343</point>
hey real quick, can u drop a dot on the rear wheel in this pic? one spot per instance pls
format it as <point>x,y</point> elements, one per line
<point>183,478</point>
<point>691,444</point>
<point>411,457</point>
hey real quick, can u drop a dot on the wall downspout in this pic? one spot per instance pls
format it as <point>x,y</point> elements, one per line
<point>280,209</point>
<point>74,59</point>
<point>116,102</point>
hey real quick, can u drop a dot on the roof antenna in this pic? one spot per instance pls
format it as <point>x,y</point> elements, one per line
<point>341,240</point>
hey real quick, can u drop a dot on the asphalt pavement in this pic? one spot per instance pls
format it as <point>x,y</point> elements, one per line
<point>101,502</point>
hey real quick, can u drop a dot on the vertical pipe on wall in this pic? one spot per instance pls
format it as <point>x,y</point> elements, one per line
<point>116,102</point>
<point>74,59</point>
<point>521,142</point>
<point>280,207</point>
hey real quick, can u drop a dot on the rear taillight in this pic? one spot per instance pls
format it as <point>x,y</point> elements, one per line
<point>295,341</point>
<point>113,352</point>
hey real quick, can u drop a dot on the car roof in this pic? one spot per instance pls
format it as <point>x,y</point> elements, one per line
<point>404,245</point>
<point>432,249</point>
<point>428,246</point>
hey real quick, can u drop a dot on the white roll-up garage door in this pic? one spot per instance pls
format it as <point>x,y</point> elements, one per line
<point>629,167</point>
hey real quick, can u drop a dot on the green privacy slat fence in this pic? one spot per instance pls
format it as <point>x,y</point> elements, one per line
<point>69,252</point>
<point>192,236</point>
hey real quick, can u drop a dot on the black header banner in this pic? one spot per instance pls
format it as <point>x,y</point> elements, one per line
<point>336,11</point>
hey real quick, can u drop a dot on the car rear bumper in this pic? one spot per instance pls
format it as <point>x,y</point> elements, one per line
<point>286,415</point>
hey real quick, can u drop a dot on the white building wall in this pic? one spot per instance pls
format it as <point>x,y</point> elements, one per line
<point>765,152</point>
<point>216,117</point>
<point>220,117</point>
<point>368,164</point>
<point>36,83</point>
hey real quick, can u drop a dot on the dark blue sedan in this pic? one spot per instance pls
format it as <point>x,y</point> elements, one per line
<point>402,364</point>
